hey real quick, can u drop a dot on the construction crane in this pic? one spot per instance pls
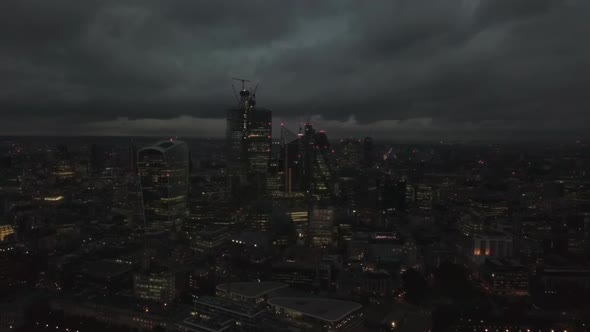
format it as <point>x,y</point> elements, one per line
<point>243,80</point>
<point>244,94</point>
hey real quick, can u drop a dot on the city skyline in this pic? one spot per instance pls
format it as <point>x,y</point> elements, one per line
<point>332,165</point>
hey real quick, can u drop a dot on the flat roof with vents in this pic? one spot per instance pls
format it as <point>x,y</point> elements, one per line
<point>328,310</point>
<point>252,289</point>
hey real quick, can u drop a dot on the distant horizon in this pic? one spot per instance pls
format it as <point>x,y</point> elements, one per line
<point>398,165</point>
<point>467,70</point>
<point>505,141</point>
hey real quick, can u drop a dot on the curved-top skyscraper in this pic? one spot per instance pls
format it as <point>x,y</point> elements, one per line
<point>164,173</point>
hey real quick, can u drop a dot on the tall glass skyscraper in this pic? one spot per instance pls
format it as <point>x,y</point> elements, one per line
<point>307,162</point>
<point>249,143</point>
<point>259,141</point>
<point>164,173</point>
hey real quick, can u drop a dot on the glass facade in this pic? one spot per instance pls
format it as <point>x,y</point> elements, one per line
<point>155,287</point>
<point>249,143</point>
<point>235,137</point>
<point>259,140</point>
<point>164,171</point>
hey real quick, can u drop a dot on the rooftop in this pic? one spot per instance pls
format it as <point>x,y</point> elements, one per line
<point>226,305</point>
<point>164,145</point>
<point>105,269</point>
<point>492,234</point>
<point>503,262</point>
<point>213,229</point>
<point>252,289</point>
<point>213,324</point>
<point>328,310</point>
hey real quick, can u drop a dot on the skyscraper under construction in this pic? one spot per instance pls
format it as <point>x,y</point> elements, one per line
<point>249,130</point>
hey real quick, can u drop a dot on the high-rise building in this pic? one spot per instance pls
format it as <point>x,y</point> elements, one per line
<point>308,157</point>
<point>351,153</point>
<point>163,171</point>
<point>471,223</point>
<point>306,162</point>
<point>424,196</point>
<point>368,151</point>
<point>249,143</point>
<point>273,180</point>
<point>258,145</point>
<point>258,216</point>
<point>291,162</point>
<point>158,287</point>
<point>209,239</point>
<point>321,227</point>
<point>315,165</point>
<point>236,147</point>
<point>259,141</point>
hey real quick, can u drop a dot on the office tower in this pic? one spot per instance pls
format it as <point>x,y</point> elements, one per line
<point>258,215</point>
<point>322,182</point>
<point>290,161</point>
<point>273,179</point>
<point>258,145</point>
<point>424,196</point>
<point>259,140</point>
<point>321,227</point>
<point>300,218</point>
<point>307,162</point>
<point>249,143</point>
<point>163,172</point>
<point>157,287</point>
<point>209,240</point>
<point>63,171</point>
<point>308,157</point>
<point>236,147</point>
<point>368,152</point>
<point>351,153</point>
<point>471,223</point>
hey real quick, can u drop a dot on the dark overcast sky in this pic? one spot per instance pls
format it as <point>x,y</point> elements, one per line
<point>389,68</point>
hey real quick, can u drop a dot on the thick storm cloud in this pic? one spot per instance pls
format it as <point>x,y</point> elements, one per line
<point>415,67</point>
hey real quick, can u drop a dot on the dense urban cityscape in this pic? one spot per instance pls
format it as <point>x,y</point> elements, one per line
<point>299,232</point>
<point>291,166</point>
